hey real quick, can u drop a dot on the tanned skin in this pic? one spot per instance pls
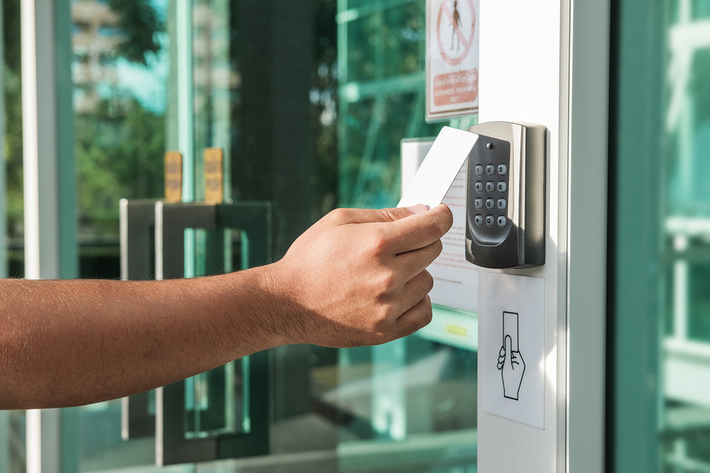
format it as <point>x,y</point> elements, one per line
<point>357,277</point>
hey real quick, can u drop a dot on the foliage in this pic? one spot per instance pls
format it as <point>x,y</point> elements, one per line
<point>138,22</point>
<point>110,166</point>
<point>324,105</point>
<point>117,157</point>
<point>13,116</point>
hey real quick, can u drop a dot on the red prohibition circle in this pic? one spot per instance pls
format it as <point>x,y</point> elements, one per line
<point>455,61</point>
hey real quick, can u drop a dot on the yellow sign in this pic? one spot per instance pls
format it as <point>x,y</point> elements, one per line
<point>173,176</point>
<point>456,330</point>
<point>214,180</point>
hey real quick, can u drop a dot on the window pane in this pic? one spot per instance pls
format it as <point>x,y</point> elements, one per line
<point>412,395</point>
<point>119,70</point>
<point>662,240</point>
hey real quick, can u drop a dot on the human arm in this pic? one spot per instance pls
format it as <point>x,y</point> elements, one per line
<point>357,277</point>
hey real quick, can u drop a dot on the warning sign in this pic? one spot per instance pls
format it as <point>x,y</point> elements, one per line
<point>452,58</point>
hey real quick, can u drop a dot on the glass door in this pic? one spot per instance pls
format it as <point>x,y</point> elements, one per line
<point>408,405</point>
<point>151,77</point>
<point>661,278</point>
<point>272,85</point>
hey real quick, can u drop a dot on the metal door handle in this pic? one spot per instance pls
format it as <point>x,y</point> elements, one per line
<point>137,222</point>
<point>172,444</point>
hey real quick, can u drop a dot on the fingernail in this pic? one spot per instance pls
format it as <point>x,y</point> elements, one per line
<point>418,209</point>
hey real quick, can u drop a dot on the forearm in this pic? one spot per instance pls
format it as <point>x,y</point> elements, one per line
<point>84,341</point>
<point>354,278</point>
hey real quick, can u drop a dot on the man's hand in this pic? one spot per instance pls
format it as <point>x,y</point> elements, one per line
<point>358,277</point>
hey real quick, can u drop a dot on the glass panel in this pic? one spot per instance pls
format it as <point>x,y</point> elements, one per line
<point>120,69</point>
<point>309,106</point>
<point>409,404</point>
<point>381,65</point>
<point>687,219</point>
<point>662,238</point>
<point>12,442</point>
<point>13,263</point>
<point>214,84</point>
<point>415,392</point>
<point>217,402</point>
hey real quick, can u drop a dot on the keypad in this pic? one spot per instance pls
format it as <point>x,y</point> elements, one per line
<point>489,162</point>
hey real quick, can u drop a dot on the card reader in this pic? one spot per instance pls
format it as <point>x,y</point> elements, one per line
<point>505,204</point>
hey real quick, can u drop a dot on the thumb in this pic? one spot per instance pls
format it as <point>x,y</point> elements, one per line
<point>509,349</point>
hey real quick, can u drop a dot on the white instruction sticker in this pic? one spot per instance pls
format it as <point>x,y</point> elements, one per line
<point>511,347</point>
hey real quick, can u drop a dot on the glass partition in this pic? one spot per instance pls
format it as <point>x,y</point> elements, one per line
<point>409,405</point>
<point>661,244</point>
<point>120,72</point>
<point>120,69</point>
<point>309,102</point>
<point>12,423</point>
<point>685,366</point>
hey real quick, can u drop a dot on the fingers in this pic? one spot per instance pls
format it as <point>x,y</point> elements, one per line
<point>419,230</point>
<point>405,229</point>
<point>347,216</point>
<point>414,262</point>
<point>412,292</point>
<point>501,358</point>
<point>414,319</point>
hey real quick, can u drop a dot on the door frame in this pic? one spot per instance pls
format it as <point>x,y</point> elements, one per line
<point>555,73</point>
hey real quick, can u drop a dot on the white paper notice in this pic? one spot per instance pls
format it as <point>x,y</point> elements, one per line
<point>440,167</point>
<point>442,178</point>
<point>455,279</point>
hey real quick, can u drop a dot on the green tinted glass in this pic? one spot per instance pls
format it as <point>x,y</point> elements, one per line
<point>661,197</point>
<point>408,404</point>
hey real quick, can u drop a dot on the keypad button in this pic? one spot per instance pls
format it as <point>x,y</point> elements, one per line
<point>502,204</point>
<point>478,220</point>
<point>490,204</point>
<point>502,221</point>
<point>490,220</point>
<point>479,186</point>
<point>490,169</point>
<point>490,186</point>
<point>479,169</point>
<point>502,186</point>
<point>478,203</point>
<point>502,169</point>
